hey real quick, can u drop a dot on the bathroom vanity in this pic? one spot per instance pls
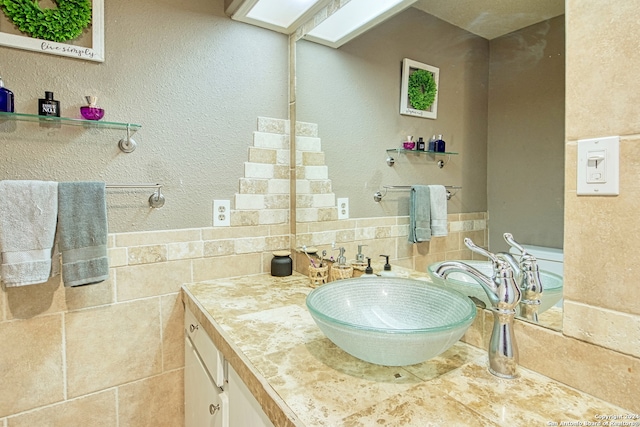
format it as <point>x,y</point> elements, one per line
<point>283,371</point>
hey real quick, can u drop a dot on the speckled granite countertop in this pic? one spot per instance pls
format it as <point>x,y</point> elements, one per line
<point>262,326</point>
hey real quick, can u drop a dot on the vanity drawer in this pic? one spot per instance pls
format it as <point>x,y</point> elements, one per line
<point>211,357</point>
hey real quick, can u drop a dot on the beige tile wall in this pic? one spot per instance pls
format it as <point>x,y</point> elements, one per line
<point>113,353</point>
<point>389,236</point>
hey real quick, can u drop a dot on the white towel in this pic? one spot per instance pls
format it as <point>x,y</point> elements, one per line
<point>438,199</point>
<point>28,214</point>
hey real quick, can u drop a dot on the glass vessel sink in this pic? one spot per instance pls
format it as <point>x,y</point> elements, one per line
<point>390,321</point>
<point>551,283</point>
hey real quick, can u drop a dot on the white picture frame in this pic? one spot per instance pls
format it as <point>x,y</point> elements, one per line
<point>408,67</point>
<point>93,53</point>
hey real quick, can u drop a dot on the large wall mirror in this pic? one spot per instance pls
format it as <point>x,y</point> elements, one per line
<point>500,107</point>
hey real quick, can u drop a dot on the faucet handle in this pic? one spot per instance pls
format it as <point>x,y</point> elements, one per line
<point>477,249</point>
<point>508,237</point>
<point>526,259</point>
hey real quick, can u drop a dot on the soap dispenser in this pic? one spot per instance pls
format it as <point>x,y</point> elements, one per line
<point>368,272</point>
<point>340,269</point>
<point>386,272</point>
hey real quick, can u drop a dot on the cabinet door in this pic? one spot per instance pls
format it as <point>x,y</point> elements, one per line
<point>244,409</point>
<point>205,405</point>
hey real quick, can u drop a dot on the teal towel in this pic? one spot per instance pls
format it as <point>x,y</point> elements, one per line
<point>82,228</point>
<point>419,214</point>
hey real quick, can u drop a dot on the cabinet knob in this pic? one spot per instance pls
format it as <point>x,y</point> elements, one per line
<point>214,408</point>
<point>193,327</point>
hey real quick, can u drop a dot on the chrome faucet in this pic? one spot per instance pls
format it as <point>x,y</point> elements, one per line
<point>504,294</point>
<point>528,276</point>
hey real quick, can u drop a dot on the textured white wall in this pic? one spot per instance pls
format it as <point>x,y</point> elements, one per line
<point>194,79</point>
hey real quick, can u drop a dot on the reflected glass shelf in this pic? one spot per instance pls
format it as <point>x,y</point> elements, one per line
<point>21,117</point>
<point>432,153</point>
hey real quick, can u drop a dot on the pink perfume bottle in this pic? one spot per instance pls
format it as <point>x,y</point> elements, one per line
<point>91,111</point>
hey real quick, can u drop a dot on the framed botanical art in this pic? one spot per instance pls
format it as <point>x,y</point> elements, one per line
<point>419,90</point>
<point>73,28</point>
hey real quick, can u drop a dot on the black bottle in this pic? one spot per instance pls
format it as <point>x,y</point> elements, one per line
<point>440,145</point>
<point>48,106</point>
<point>420,144</point>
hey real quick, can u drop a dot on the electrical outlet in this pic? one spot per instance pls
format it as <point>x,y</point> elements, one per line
<point>343,208</point>
<point>221,213</point>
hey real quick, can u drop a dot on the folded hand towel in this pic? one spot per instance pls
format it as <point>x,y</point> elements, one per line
<point>438,202</point>
<point>28,213</point>
<point>82,237</point>
<point>419,214</point>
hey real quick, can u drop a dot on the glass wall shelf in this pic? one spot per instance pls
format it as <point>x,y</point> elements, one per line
<point>126,144</point>
<point>21,117</point>
<point>391,161</point>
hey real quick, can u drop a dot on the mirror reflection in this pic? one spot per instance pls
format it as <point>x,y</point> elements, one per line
<point>500,110</point>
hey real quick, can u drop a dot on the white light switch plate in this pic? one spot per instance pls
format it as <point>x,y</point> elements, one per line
<point>343,208</point>
<point>221,213</point>
<point>599,166</point>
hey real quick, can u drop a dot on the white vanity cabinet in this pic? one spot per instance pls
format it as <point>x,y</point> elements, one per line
<point>214,394</point>
<point>206,404</point>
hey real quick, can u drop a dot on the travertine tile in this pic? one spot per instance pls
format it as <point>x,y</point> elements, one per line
<point>156,237</point>
<point>229,266</point>
<point>258,170</point>
<point>91,295</point>
<point>185,250</point>
<point>276,201</point>
<point>249,245</point>
<point>306,214</point>
<point>262,155</point>
<point>586,96</point>
<point>219,247</point>
<point>244,218</point>
<point>612,329</point>
<point>268,124</point>
<point>313,159</point>
<point>147,254</point>
<point>112,345</point>
<point>603,373</point>
<point>306,129</point>
<point>25,302</point>
<point>269,140</point>
<point>320,186</point>
<point>278,186</point>
<point>275,243</point>
<point>316,172</point>
<point>216,233</point>
<point>273,216</point>
<point>31,363</point>
<point>172,313</point>
<point>156,401</point>
<point>281,172</point>
<point>276,230</point>
<point>96,410</point>
<point>250,201</point>
<point>146,280</point>
<point>254,186</point>
<point>324,200</point>
<point>117,257</point>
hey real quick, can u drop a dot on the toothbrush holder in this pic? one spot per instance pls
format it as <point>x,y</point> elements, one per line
<point>339,272</point>
<point>318,275</point>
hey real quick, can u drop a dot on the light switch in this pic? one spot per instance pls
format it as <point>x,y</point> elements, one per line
<point>598,166</point>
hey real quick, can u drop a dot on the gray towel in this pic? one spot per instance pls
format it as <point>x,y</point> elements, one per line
<point>438,203</point>
<point>28,213</point>
<point>419,214</point>
<point>82,237</point>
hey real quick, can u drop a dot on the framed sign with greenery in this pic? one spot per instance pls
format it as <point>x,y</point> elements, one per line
<point>419,91</point>
<point>73,28</point>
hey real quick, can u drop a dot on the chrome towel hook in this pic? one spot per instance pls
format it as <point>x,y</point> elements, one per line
<point>127,145</point>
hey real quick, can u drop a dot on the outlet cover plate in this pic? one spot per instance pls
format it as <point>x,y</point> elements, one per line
<point>222,213</point>
<point>343,208</point>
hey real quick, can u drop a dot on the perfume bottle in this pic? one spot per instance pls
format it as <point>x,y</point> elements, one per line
<point>48,106</point>
<point>91,111</point>
<point>6,98</point>
<point>421,146</point>
<point>440,145</point>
